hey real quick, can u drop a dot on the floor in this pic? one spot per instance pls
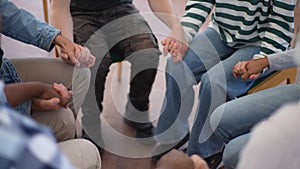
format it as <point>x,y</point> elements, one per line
<point>131,154</point>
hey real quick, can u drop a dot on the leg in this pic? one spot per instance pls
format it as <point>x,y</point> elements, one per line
<point>274,143</point>
<point>217,85</point>
<point>140,48</point>
<point>62,122</point>
<point>232,151</point>
<point>180,77</point>
<point>237,117</point>
<point>89,34</point>
<point>81,153</point>
<point>34,69</point>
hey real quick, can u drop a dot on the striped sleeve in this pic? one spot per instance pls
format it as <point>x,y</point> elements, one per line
<point>196,12</point>
<point>281,25</point>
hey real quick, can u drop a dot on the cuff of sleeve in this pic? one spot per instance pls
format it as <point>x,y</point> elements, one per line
<point>47,37</point>
<point>259,56</point>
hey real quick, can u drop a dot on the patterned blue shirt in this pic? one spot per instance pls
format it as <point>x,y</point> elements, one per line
<point>25,144</point>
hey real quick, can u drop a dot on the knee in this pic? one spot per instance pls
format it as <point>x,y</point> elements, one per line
<point>88,156</point>
<point>220,124</point>
<point>216,119</point>
<point>64,125</point>
<point>230,155</point>
<point>232,151</point>
<point>83,74</point>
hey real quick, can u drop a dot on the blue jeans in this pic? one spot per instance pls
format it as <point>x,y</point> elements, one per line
<point>233,120</point>
<point>207,52</point>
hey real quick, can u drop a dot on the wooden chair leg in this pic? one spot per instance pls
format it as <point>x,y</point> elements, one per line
<point>119,71</point>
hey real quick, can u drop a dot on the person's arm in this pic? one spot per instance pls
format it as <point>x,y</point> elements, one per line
<point>279,34</point>
<point>164,11</point>
<point>277,61</point>
<point>23,26</point>
<point>176,39</point>
<point>18,93</point>
<point>60,17</point>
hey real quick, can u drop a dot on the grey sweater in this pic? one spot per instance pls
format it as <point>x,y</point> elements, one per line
<point>284,60</point>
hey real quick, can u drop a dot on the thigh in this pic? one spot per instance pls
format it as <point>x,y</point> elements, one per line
<point>84,27</point>
<point>82,153</point>
<point>205,51</point>
<point>46,70</point>
<point>222,72</point>
<point>232,150</point>
<point>238,116</point>
<point>62,122</point>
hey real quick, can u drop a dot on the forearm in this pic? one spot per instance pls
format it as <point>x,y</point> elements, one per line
<point>61,17</point>
<point>164,11</point>
<point>23,26</point>
<point>18,93</point>
<point>283,60</point>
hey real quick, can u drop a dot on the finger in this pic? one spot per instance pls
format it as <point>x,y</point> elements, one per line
<point>243,67</point>
<point>245,76</point>
<point>253,77</point>
<point>163,42</point>
<point>166,48</point>
<point>73,60</point>
<point>47,104</point>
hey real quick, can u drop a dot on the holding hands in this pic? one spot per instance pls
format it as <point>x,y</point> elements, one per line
<point>175,44</point>
<point>250,69</point>
<point>74,54</point>
<point>52,98</point>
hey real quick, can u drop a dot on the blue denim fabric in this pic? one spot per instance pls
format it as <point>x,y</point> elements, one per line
<point>8,74</point>
<point>233,120</point>
<point>217,86</point>
<point>21,25</point>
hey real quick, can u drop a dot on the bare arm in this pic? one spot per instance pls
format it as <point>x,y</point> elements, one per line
<point>18,93</point>
<point>175,43</point>
<point>164,11</point>
<point>60,17</point>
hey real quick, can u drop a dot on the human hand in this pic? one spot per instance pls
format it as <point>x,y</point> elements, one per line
<point>175,160</point>
<point>65,94</point>
<point>69,50</point>
<point>250,69</point>
<point>175,44</point>
<point>46,104</point>
<point>85,59</point>
<point>53,98</point>
<point>199,162</point>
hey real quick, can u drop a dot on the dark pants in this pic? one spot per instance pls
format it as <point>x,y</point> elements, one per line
<point>123,33</point>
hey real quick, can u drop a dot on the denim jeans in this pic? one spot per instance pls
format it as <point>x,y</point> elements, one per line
<point>233,120</point>
<point>207,52</point>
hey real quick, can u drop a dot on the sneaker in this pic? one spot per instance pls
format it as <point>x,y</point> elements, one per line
<point>214,160</point>
<point>85,136</point>
<point>163,149</point>
<point>143,131</point>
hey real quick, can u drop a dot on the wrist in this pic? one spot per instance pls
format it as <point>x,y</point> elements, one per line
<point>59,40</point>
<point>265,62</point>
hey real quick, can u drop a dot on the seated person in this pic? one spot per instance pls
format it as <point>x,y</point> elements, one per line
<point>233,120</point>
<point>21,25</point>
<point>22,139</point>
